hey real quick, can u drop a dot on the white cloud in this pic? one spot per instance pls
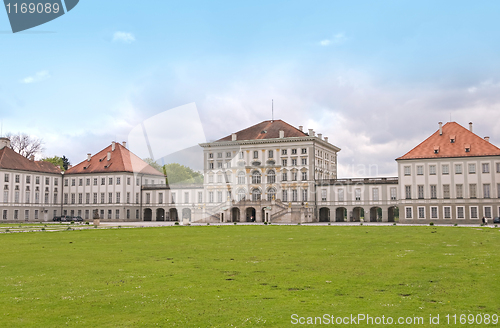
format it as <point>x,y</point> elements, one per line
<point>124,37</point>
<point>38,77</point>
<point>337,39</point>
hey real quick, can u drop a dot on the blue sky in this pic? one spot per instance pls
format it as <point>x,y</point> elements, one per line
<point>375,77</point>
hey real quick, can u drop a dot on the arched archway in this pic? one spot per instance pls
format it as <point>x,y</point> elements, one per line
<point>375,214</point>
<point>324,214</point>
<point>173,214</point>
<point>148,214</point>
<point>340,214</point>
<point>186,214</point>
<point>357,213</point>
<point>250,214</point>
<point>235,215</point>
<point>160,214</point>
<point>393,214</point>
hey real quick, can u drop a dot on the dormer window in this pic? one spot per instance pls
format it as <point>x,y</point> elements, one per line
<point>467,148</point>
<point>436,149</point>
<point>452,139</point>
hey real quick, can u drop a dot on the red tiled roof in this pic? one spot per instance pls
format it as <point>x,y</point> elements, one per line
<point>463,139</point>
<point>122,160</point>
<point>11,160</point>
<point>266,130</point>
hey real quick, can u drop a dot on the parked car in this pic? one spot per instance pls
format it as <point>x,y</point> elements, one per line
<point>496,220</point>
<point>56,219</point>
<point>77,219</point>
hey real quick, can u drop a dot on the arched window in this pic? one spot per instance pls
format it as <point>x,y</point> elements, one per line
<point>271,176</point>
<point>255,177</point>
<point>271,194</point>
<point>242,195</point>
<point>241,178</point>
<point>256,194</point>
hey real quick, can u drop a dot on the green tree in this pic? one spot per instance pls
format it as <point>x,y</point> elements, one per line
<point>179,173</point>
<point>62,162</point>
<point>153,164</point>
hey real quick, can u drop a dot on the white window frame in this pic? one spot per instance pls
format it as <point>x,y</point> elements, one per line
<point>491,212</point>
<point>470,213</point>
<point>444,212</point>
<point>408,210</point>
<point>421,210</point>
<point>463,212</point>
<point>437,213</point>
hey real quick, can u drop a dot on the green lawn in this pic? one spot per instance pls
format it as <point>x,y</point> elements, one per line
<point>245,276</point>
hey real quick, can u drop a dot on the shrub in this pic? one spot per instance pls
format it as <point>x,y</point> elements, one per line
<point>265,223</point>
<point>455,224</point>
<point>361,223</point>
<point>208,223</point>
<point>7,230</point>
<point>176,223</point>
<point>235,223</point>
<point>43,228</point>
<point>329,223</point>
<point>87,222</point>
<point>298,223</point>
<point>72,222</point>
<point>432,223</point>
<point>394,223</point>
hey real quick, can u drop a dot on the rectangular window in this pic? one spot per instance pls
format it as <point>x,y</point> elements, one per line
<point>37,180</point>
<point>94,198</point>
<point>219,155</point>
<point>117,214</point>
<point>28,197</point>
<point>210,178</point>
<point>80,198</point>
<point>137,214</point>
<point>16,197</point>
<point>6,196</point>
<point>47,181</point>
<point>28,179</point>
<point>393,193</point>
<point>110,197</point>
<point>304,161</point>
<point>80,182</point>
<point>87,198</point>
<point>210,196</point>
<point>137,198</point>
<point>6,177</point>
<point>148,198</point>
<point>73,182</point>
<point>36,214</point>
<point>255,154</point>
<point>323,195</point>
<point>408,192</point>
<point>46,199</point>
<point>137,181</point>
<point>498,193</point>
<point>283,152</point>
<point>473,212</point>
<point>487,212</point>
<point>375,195</point>
<point>294,176</point>
<point>128,214</point>
<point>446,191</point>
<point>294,195</point>
<point>219,178</point>
<point>486,190</point>
<point>434,212</point>
<point>472,168</point>
<point>4,214</point>
<point>284,176</point>
<point>294,151</point>
<point>341,195</point>
<point>210,155</point>
<point>458,168</point>
<point>128,181</point>
<point>460,212</point>
<point>445,169</point>
<point>95,181</point>
<point>284,162</point>
<point>17,178</point>
<point>420,191</point>
<point>285,195</point>
<point>200,197</point>
<point>420,170</point>
<point>304,176</point>
<point>294,162</point>
<point>186,197</point>
<point>103,181</point>
<point>304,195</point>
<point>357,194</point>
<point>408,211</point>
<point>473,190</point>
<point>118,197</point>
<point>102,197</point>
<point>486,167</point>
<point>219,196</point>
<point>407,170</point>
<point>447,212</point>
<point>16,214</point>
<point>173,197</point>
<point>118,180</point>
<point>270,154</point>
<point>110,213</point>
<point>421,212</point>
<point>433,191</point>
<point>304,150</point>
<point>460,190</point>
<point>26,215</point>
<point>128,197</point>
<point>87,182</point>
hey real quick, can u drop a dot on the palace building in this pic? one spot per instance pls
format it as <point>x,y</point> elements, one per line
<point>270,172</point>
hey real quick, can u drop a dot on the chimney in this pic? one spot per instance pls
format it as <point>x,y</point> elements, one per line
<point>89,155</point>
<point>440,128</point>
<point>32,158</point>
<point>4,142</point>
<point>234,137</point>
<point>311,133</point>
<point>470,126</point>
<point>320,135</point>
<point>113,145</point>
<point>70,166</point>
<point>487,139</point>
<point>124,143</point>
<point>109,155</point>
<point>282,134</point>
<point>326,139</point>
<point>301,127</point>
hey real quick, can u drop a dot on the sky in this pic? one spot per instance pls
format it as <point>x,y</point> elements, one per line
<point>375,77</point>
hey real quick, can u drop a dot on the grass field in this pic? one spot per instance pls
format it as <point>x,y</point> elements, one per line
<point>245,276</point>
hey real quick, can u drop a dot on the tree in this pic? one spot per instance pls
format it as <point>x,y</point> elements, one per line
<point>153,164</point>
<point>25,145</point>
<point>61,162</point>
<point>179,173</point>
